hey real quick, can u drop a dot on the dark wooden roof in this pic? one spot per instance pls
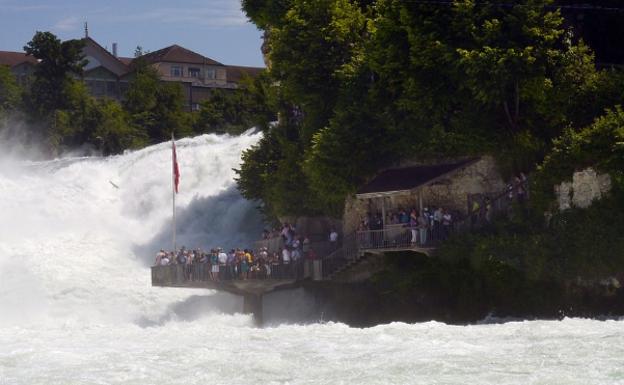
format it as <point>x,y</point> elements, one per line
<point>177,54</point>
<point>14,58</point>
<point>409,178</point>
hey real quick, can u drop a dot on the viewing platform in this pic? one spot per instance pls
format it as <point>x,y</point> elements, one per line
<point>347,260</point>
<point>277,277</point>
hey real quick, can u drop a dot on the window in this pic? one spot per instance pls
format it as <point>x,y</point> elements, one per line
<point>123,87</point>
<point>111,89</point>
<point>176,71</point>
<point>211,74</point>
<point>193,72</point>
<point>194,106</point>
<point>99,88</point>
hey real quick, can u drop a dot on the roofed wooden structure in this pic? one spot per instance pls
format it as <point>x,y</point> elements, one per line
<point>406,180</point>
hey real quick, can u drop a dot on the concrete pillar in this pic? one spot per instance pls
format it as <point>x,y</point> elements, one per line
<point>383,211</point>
<point>317,270</point>
<point>252,304</point>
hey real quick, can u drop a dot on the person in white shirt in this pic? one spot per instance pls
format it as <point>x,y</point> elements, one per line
<point>447,223</point>
<point>159,257</point>
<point>286,258</point>
<point>285,255</point>
<point>222,257</point>
<point>333,239</point>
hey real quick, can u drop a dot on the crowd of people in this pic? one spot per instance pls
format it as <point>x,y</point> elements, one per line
<point>290,241</point>
<point>217,264</point>
<point>517,188</point>
<point>437,224</point>
<point>425,226</point>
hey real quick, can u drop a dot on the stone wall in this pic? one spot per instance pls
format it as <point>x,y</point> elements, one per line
<point>586,186</point>
<point>451,192</point>
<point>317,229</point>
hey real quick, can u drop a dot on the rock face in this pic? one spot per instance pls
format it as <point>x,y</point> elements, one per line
<point>317,229</point>
<point>586,186</point>
<point>564,193</point>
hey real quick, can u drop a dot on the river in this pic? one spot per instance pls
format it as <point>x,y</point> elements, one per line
<point>76,305</point>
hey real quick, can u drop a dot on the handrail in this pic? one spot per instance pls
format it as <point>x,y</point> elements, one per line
<point>180,274</point>
<point>273,244</point>
<point>346,253</point>
<point>402,236</point>
<point>395,236</point>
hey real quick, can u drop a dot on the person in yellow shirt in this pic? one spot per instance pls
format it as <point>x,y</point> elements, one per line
<point>475,212</point>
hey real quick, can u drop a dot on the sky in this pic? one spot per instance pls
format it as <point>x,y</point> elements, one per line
<point>217,29</point>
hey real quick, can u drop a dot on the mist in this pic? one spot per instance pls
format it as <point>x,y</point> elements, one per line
<point>80,232</point>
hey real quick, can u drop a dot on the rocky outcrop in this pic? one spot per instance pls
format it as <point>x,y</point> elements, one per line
<point>586,187</point>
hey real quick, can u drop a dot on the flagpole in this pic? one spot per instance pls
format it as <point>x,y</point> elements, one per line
<point>173,189</point>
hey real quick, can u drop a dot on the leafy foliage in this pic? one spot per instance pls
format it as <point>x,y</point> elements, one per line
<point>63,115</point>
<point>10,91</point>
<point>51,88</point>
<point>235,111</point>
<point>576,242</point>
<point>363,85</point>
<point>155,106</point>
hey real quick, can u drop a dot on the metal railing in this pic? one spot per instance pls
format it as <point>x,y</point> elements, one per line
<point>334,257</point>
<point>273,245</point>
<point>276,244</point>
<point>180,275</point>
<point>491,207</point>
<point>347,252</point>
<point>403,237</point>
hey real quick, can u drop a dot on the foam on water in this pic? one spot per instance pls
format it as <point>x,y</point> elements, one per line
<point>76,306</point>
<point>75,246</point>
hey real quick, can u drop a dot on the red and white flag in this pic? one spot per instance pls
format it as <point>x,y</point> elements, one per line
<point>176,170</point>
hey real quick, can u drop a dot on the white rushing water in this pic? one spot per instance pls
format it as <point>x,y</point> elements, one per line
<point>76,305</point>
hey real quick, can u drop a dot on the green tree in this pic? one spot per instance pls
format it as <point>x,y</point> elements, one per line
<point>112,132</point>
<point>156,107</point>
<point>271,174</point>
<point>513,55</point>
<point>600,145</point>
<point>235,111</point>
<point>266,13</point>
<point>360,85</point>
<point>59,64</point>
<point>311,52</point>
<point>10,91</point>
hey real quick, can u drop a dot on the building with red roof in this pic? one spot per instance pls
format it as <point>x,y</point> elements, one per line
<point>108,75</point>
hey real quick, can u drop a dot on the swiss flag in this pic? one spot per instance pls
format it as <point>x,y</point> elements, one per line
<point>176,169</point>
